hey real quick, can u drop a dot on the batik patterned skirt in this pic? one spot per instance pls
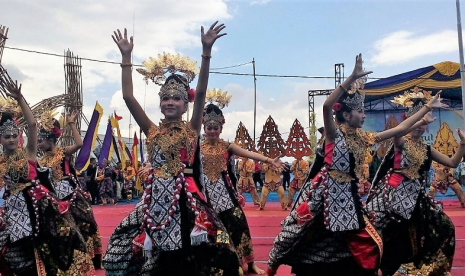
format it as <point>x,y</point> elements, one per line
<point>43,242</point>
<point>419,237</point>
<point>125,251</point>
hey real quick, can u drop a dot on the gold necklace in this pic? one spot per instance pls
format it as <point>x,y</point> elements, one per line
<point>53,159</point>
<point>359,144</point>
<point>415,151</point>
<point>214,160</point>
<point>171,137</point>
<point>15,165</point>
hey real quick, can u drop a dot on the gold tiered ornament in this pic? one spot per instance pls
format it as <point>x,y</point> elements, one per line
<point>270,143</point>
<point>445,141</point>
<point>297,144</point>
<point>243,139</point>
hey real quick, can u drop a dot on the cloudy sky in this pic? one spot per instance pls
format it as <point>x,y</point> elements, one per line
<point>285,37</point>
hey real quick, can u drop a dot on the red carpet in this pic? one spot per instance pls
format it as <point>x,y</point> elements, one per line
<point>265,225</point>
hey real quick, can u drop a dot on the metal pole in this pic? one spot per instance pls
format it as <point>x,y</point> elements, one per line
<point>462,69</point>
<point>255,100</point>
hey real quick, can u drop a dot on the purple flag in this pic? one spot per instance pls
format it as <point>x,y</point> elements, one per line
<point>82,161</point>
<point>129,153</point>
<point>106,151</point>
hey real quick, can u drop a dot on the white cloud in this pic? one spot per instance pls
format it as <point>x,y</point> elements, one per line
<point>402,46</point>
<point>259,2</point>
<point>86,28</point>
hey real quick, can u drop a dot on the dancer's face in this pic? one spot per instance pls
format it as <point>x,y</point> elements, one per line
<point>355,118</point>
<point>44,144</point>
<point>212,131</point>
<point>418,132</point>
<point>10,141</point>
<point>172,107</point>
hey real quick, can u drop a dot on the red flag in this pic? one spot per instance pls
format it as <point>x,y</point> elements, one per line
<point>135,161</point>
<point>118,117</point>
<point>135,143</point>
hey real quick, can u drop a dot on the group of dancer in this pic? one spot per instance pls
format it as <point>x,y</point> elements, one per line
<point>273,181</point>
<point>401,231</point>
<point>47,226</point>
<point>190,221</point>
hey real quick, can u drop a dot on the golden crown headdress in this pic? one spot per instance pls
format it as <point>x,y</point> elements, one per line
<point>9,127</point>
<point>222,99</point>
<point>156,68</point>
<point>411,96</point>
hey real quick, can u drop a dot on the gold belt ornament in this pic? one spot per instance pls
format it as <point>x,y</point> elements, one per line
<point>340,176</point>
<point>165,173</point>
<point>16,188</point>
<point>162,172</point>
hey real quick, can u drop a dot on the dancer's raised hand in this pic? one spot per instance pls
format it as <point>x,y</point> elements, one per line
<point>125,46</point>
<point>358,71</point>
<point>71,118</point>
<point>461,134</point>
<point>212,34</point>
<point>14,91</point>
<point>436,101</point>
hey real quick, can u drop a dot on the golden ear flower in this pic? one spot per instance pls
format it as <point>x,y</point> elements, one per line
<point>406,100</point>
<point>217,96</point>
<point>47,119</point>
<point>9,105</point>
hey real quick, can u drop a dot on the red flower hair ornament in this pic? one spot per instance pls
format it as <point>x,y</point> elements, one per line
<point>191,95</point>
<point>56,131</point>
<point>337,106</point>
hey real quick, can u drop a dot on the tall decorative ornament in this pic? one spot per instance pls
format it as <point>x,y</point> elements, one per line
<point>270,143</point>
<point>297,144</point>
<point>73,90</point>
<point>445,141</point>
<point>3,38</point>
<point>243,139</point>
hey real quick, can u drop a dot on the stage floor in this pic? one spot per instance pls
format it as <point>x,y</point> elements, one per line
<point>265,225</point>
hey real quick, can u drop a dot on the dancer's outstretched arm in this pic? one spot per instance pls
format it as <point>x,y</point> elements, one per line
<point>31,147</point>
<point>71,121</point>
<point>404,127</point>
<point>133,105</point>
<point>453,161</point>
<point>208,39</point>
<point>330,127</point>
<point>235,149</point>
<point>427,119</point>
